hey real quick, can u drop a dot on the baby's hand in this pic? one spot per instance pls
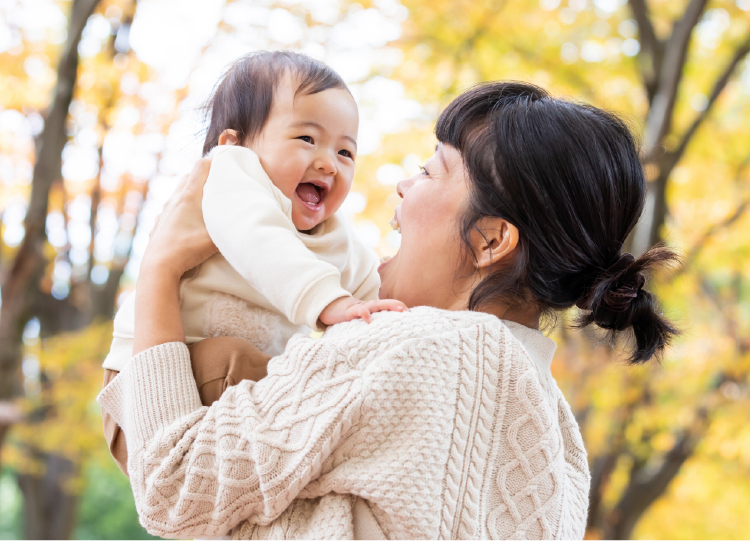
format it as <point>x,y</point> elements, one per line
<point>348,308</point>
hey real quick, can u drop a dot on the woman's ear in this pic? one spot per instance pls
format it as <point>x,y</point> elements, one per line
<point>229,137</point>
<point>492,240</point>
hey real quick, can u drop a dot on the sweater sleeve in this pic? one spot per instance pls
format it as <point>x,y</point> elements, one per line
<point>249,220</point>
<point>200,471</point>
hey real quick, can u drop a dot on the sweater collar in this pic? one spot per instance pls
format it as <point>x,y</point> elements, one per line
<point>539,348</point>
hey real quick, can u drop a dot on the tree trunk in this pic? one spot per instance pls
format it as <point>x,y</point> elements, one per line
<point>21,287</point>
<point>642,492</point>
<point>49,505</point>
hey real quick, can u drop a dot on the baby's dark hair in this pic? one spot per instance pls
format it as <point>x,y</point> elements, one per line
<point>243,97</point>
<point>568,176</point>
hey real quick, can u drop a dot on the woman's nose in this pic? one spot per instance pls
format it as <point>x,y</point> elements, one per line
<point>325,164</point>
<point>403,186</point>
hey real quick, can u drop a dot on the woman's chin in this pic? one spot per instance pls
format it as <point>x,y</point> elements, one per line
<point>385,270</point>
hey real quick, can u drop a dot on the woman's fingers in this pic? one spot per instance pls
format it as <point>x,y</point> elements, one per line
<point>179,238</point>
<point>191,185</point>
<point>181,184</point>
<point>198,176</point>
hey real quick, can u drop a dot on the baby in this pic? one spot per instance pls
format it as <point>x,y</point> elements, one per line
<point>282,138</point>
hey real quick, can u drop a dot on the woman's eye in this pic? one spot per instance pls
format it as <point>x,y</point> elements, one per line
<point>306,139</point>
<point>346,153</point>
<point>424,170</point>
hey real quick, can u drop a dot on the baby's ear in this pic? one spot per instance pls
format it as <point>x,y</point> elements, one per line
<point>228,137</point>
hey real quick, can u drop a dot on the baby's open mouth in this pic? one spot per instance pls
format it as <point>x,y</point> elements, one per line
<point>311,193</point>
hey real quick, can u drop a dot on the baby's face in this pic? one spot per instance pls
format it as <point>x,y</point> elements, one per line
<point>308,147</point>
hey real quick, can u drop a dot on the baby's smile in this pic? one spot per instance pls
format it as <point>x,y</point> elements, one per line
<point>312,193</point>
<point>308,148</point>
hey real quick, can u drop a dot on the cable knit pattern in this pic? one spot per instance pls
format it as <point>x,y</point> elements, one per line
<point>425,424</point>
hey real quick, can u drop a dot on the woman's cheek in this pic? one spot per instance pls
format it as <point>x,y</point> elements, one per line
<point>420,213</point>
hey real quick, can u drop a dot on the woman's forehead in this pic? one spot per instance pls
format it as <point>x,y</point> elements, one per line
<point>448,157</point>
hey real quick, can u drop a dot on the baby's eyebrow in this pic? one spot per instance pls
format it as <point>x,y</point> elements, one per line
<point>311,124</point>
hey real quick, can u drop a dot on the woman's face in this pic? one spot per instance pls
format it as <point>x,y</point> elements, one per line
<point>428,267</point>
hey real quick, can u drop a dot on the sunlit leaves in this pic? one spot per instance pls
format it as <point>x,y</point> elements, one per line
<point>63,377</point>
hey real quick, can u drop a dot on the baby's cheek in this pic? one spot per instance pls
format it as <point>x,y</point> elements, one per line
<point>283,177</point>
<point>334,199</point>
<point>286,186</point>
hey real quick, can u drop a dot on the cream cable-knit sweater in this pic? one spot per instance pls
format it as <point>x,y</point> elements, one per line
<point>423,424</point>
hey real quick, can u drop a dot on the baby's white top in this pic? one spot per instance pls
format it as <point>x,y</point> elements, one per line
<point>263,259</point>
<point>250,221</point>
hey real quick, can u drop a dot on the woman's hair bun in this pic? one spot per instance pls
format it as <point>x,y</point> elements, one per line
<point>617,301</point>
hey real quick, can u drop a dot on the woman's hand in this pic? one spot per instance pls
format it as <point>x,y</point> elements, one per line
<point>178,242</point>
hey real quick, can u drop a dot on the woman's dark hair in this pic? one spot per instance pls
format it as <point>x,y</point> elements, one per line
<point>568,176</point>
<point>242,99</point>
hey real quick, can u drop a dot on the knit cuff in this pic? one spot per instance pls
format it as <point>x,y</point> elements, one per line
<point>315,298</point>
<point>155,389</point>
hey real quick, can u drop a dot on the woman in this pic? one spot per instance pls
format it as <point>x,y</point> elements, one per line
<point>440,422</point>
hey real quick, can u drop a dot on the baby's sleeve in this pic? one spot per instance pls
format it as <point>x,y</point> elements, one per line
<point>247,218</point>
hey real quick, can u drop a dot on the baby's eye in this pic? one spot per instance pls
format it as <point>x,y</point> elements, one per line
<point>306,139</point>
<point>346,153</point>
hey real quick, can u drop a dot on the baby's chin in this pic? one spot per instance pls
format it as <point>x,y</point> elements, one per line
<point>305,220</point>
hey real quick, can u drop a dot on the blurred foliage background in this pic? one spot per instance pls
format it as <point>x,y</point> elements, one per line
<point>100,114</point>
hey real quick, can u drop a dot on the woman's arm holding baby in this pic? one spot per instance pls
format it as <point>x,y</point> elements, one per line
<point>172,437</point>
<point>178,242</point>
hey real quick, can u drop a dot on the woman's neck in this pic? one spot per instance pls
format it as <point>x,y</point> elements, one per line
<point>523,313</point>
<point>528,315</point>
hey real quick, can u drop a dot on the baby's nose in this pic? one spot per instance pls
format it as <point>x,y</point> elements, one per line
<point>326,165</point>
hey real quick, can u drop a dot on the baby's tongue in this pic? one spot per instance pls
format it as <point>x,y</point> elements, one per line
<point>308,193</point>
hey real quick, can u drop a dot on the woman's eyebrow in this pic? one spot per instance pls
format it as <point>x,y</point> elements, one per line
<point>311,124</point>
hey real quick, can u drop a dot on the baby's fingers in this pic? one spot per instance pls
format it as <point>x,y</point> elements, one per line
<point>386,304</point>
<point>359,311</point>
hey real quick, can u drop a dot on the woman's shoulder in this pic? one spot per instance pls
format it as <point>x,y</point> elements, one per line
<point>426,321</point>
<point>418,322</point>
<point>437,327</point>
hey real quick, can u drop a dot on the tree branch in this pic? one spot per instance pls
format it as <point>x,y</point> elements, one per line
<point>719,85</point>
<point>603,465</point>
<point>730,321</point>
<point>651,46</point>
<point>728,221</point>
<point>641,493</point>
<point>675,51</point>
<point>693,253</point>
